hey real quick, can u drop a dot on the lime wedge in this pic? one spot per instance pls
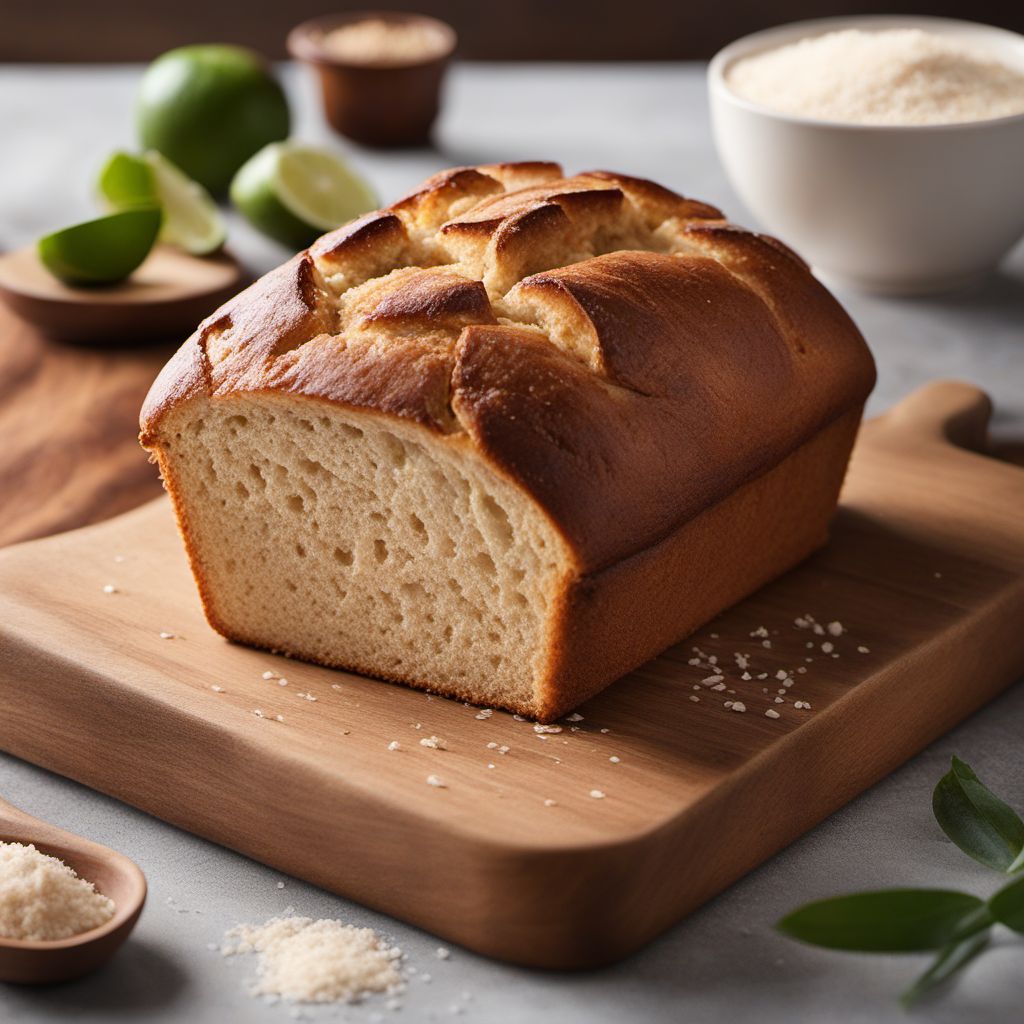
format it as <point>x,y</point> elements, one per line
<point>294,193</point>
<point>191,219</point>
<point>101,251</point>
<point>127,181</point>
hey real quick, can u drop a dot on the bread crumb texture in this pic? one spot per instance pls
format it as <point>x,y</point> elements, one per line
<point>323,961</point>
<point>42,899</point>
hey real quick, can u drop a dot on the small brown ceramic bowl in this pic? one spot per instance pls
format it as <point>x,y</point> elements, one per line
<point>380,101</point>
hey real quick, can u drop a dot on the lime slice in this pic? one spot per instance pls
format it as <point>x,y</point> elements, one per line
<point>191,218</point>
<point>294,193</point>
<point>101,251</point>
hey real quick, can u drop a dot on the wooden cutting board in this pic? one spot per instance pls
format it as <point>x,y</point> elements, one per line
<point>557,849</point>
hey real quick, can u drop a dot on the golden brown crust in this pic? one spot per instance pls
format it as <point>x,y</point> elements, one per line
<point>626,391</point>
<point>625,355</point>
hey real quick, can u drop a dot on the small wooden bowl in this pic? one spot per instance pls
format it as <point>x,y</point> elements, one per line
<point>115,875</point>
<point>384,105</point>
<point>165,298</point>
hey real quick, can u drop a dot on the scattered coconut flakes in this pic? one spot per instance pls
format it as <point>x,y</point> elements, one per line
<point>538,728</point>
<point>760,631</point>
<point>519,718</point>
<point>779,700</point>
<point>782,674</point>
<point>714,636</point>
<point>802,705</point>
<point>708,680</point>
<point>828,647</point>
<point>109,588</point>
<point>433,780</point>
<point>283,682</point>
<point>615,760</point>
<point>322,961</point>
<point>434,742</point>
<point>258,713</point>
<point>863,650</point>
<point>269,675</point>
<point>746,676</point>
<point>937,575</point>
<point>836,628</point>
<point>305,696</point>
<point>483,715</point>
<point>574,717</point>
<point>766,643</point>
<point>278,718</point>
<point>718,686</point>
<point>738,705</point>
<point>772,713</point>
<point>550,803</point>
<point>597,794</point>
<point>742,661</point>
<point>802,669</point>
<point>695,698</point>
<point>800,622</point>
<point>394,745</point>
<point>605,730</point>
<point>217,689</point>
<point>164,635</point>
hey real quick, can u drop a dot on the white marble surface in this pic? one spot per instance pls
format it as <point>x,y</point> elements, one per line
<point>724,963</point>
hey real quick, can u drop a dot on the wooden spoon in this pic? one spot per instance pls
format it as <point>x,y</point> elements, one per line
<point>111,872</point>
<point>165,298</point>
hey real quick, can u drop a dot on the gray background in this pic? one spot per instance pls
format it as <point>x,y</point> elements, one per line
<point>724,963</point>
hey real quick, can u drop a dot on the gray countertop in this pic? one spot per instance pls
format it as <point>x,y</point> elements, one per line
<point>722,964</point>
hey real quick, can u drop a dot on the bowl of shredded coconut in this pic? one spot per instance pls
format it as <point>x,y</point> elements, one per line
<point>888,151</point>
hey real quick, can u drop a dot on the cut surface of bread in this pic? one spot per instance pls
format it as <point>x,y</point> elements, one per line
<point>451,442</point>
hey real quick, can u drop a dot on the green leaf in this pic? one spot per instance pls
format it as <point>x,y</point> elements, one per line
<point>951,959</point>
<point>885,921</point>
<point>977,820</point>
<point>1007,905</point>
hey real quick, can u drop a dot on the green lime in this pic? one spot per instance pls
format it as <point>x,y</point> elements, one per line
<point>294,193</point>
<point>209,108</point>
<point>191,219</point>
<point>101,251</point>
<point>127,181</point>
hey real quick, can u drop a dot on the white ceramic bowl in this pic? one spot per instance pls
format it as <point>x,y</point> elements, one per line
<point>901,210</point>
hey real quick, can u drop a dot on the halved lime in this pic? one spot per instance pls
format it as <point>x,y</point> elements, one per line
<point>101,251</point>
<point>294,193</point>
<point>191,218</point>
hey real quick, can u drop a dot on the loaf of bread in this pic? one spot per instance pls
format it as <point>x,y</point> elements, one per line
<point>510,437</point>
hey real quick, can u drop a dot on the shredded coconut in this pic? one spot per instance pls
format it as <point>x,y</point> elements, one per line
<point>42,899</point>
<point>311,961</point>
<point>899,76</point>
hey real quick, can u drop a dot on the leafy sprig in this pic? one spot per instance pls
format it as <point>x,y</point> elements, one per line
<point>956,925</point>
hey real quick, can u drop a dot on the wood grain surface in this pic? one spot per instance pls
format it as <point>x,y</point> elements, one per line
<point>165,298</point>
<point>69,422</point>
<point>557,849</point>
